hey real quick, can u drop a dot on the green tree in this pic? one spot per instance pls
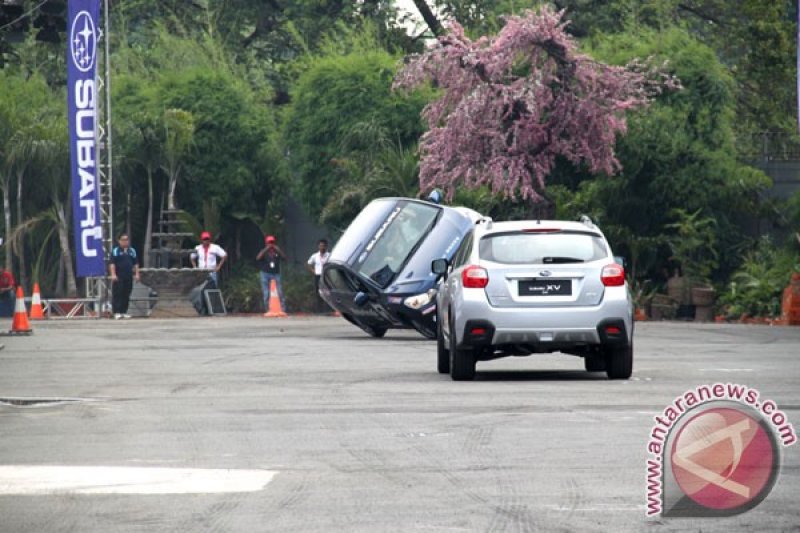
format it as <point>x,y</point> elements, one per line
<point>23,103</point>
<point>335,93</point>
<point>680,154</point>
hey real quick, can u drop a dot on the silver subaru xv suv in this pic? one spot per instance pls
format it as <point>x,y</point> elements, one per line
<point>524,287</point>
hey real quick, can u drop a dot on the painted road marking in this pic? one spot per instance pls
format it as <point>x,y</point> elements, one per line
<point>726,370</point>
<point>33,480</point>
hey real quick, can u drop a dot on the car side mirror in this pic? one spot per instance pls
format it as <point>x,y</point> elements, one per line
<point>440,266</point>
<point>361,299</point>
<point>620,261</point>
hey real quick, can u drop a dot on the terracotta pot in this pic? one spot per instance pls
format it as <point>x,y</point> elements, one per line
<point>703,296</point>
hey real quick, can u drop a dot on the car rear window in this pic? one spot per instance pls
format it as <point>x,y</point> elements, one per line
<point>542,248</point>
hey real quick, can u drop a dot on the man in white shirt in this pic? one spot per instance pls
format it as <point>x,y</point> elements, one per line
<point>208,256</point>
<point>315,264</point>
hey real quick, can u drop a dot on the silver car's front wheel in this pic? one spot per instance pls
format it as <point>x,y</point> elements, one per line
<point>462,360</point>
<point>442,353</point>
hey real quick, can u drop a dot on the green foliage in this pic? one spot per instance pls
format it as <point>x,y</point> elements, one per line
<point>230,129</point>
<point>298,289</point>
<point>679,154</point>
<point>242,289</point>
<point>335,93</point>
<point>694,244</point>
<point>372,165</point>
<point>756,287</point>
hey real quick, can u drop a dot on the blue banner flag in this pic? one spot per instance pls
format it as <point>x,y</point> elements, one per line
<point>82,108</point>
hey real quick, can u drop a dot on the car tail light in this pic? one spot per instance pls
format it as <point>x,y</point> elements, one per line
<point>474,277</point>
<point>613,275</point>
<point>613,330</point>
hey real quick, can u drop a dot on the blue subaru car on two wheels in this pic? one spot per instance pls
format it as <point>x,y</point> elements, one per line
<point>378,275</point>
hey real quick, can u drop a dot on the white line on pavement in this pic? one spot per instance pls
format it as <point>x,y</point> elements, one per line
<point>33,480</point>
<point>726,370</point>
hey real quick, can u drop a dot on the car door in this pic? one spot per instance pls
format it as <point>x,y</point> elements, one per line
<point>451,286</point>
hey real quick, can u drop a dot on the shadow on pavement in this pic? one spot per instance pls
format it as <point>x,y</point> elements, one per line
<point>540,375</point>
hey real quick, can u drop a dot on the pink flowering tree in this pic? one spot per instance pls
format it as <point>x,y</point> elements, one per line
<point>512,103</point>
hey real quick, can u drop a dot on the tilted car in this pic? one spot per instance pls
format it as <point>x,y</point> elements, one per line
<point>524,287</point>
<point>378,275</point>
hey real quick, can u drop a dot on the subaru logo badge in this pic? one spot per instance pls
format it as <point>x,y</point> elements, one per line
<point>545,273</point>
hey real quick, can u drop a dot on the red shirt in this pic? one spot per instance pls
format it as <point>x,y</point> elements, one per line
<point>6,280</point>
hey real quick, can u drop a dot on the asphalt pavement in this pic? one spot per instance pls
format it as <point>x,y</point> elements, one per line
<point>307,424</point>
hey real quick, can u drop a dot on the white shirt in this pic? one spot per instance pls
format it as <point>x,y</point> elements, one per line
<point>318,260</point>
<point>207,257</point>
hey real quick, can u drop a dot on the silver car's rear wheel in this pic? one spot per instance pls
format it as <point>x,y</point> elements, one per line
<point>462,360</point>
<point>619,362</point>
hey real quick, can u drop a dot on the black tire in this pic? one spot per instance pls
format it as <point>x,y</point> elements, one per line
<point>619,362</point>
<point>442,353</point>
<point>350,319</point>
<point>374,331</point>
<point>462,361</point>
<point>594,363</point>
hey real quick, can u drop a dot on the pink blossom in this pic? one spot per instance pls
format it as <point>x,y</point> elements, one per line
<point>512,103</point>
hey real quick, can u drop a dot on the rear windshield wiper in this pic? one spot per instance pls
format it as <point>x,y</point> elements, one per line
<point>562,260</point>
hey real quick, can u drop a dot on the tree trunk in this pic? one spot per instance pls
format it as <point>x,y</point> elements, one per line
<point>429,17</point>
<point>66,251</point>
<point>7,221</point>
<point>60,277</point>
<point>148,229</point>
<point>173,184</point>
<point>23,267</point>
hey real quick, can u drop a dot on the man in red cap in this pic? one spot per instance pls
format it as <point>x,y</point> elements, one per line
<point>208,256</point>
<point>269,261</point>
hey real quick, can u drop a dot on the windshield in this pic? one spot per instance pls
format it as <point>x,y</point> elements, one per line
<point>362,229</point>
<point>395,240</point>
<point>542,248</point>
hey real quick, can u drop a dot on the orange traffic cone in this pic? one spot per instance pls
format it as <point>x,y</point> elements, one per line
<point>20,324</point>
<point>36,304</point>
<point>275,309</point>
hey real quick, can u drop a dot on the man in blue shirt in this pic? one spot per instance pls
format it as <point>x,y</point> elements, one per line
<point>124,268</point>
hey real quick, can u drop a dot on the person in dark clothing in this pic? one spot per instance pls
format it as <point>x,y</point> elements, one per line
<point>7,296</point>
<point>124,269</point>
<point>269,262</point>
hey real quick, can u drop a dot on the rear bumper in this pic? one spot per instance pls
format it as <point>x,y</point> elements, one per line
<point>609,323</point>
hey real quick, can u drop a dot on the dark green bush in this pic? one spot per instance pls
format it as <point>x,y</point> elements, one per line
<point>756,287</point>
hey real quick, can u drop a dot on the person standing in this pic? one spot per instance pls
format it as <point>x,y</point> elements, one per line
<point>315,264</point>
<point>7,296</point>
<point>208,256</point>
<point>124,268</point>
<point>269,262</point>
